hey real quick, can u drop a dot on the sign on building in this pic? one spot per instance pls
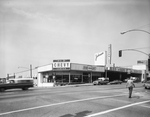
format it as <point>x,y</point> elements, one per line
<point>100,58</point>
<point>142,62</point>
<point>109,54</point>
<point>61,64</point>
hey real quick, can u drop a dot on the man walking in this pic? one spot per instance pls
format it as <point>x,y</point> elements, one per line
<point>54,81</point>
<point>130,86</point>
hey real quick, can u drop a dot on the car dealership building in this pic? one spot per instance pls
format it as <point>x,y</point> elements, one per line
<point>63,71</point>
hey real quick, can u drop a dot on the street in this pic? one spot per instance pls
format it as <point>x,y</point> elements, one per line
<point>76,101</point>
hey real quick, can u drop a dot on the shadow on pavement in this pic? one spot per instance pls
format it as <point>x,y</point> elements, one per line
<point>80,114</point>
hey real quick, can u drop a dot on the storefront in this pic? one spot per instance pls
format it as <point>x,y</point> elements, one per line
<point>64,72</point>
<point>118,73</point>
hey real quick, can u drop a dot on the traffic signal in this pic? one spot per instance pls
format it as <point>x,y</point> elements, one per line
<point>120,53</point>
<point>149,64</point>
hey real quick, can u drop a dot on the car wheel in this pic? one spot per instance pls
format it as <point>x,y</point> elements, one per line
<point>25,88</point>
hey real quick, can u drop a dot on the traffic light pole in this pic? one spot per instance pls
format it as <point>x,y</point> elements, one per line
<point>148,65</point>
<point>120,52</point>
<point>120,55</point>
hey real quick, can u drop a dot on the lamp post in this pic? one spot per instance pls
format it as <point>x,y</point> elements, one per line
<point>135,30</point>
<point>28,69</point>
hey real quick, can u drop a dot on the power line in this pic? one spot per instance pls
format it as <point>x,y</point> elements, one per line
<point>22,71</point>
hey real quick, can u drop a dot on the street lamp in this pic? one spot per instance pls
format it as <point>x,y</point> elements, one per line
<point>135,30</point>
<point>28,69</point>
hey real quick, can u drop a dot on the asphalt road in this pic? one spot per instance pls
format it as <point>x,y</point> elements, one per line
<point>76,101</point>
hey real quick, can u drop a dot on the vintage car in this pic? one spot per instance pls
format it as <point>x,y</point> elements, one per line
<point>23,83</point>
<point>101,81</point>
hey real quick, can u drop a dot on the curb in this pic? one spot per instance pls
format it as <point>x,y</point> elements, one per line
<point>88,84</point>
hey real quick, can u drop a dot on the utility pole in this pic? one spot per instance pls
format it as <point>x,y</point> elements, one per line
<point>30,70</point>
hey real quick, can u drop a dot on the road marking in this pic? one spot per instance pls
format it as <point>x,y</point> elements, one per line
<point>61,103</point>
<point>115,109</point>
<point>145,106</point>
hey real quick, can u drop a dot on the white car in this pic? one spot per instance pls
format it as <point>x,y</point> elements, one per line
<point>147,85</point>
<point>101,81</point>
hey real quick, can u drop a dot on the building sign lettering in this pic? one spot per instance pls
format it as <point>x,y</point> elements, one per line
<point>61,64</point>
<point>89,68</point>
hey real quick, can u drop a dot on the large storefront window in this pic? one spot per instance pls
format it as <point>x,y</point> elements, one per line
<point>72,77</point>
<point>62,78</point>
<point>47,77</point>
<point>76,79</point>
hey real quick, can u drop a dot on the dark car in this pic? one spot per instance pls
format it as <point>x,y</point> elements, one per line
<point>22,83</point>
<point>147,85</point>
<point>115,82</point>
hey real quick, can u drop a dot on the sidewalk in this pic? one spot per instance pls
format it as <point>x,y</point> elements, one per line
<point>91,84</point>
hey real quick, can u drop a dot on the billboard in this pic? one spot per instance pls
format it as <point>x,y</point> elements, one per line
<point>100,58</point>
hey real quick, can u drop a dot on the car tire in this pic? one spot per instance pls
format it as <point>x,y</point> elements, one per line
<point>145,87</point>
<point>25,88</point>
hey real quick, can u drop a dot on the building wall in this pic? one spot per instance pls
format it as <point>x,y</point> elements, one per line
<point>42,76</point>
<point>142,67</point>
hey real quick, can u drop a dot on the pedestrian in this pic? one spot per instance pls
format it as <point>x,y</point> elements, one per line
<point>54,81</point>
<point>130,86</point>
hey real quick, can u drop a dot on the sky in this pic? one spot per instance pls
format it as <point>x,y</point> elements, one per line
<point>36,32</point>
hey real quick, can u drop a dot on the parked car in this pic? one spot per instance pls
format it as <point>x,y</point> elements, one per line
<point>115,82</point>
<point>147,85</point>
<point>101,81</point>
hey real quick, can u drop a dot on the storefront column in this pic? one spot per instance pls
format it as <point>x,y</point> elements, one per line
<point>69,77</point>
<point>82,78</point>
<point>39,79</point>
<point>91,77</point>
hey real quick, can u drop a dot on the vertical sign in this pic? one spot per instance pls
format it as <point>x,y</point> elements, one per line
<point>109,55</point>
